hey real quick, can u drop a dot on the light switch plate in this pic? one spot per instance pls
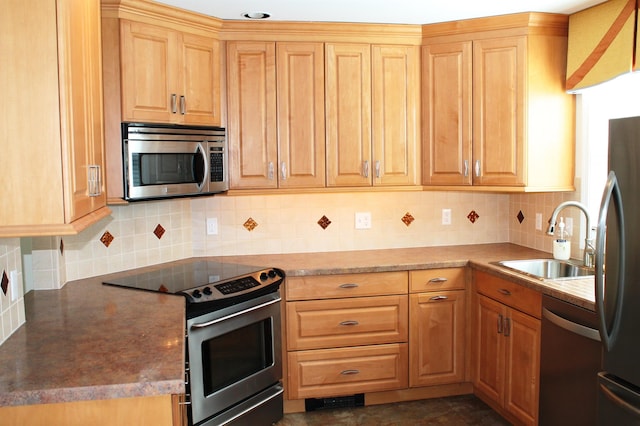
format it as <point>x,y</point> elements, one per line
<point>212,226</point>
<point>15,285</point>
<point>538,221</point>
<point>446,216</point>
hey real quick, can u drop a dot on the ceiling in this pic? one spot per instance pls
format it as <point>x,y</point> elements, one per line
<point>377,11</point>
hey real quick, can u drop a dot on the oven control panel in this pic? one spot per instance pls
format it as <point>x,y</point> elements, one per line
<point>234,287</point>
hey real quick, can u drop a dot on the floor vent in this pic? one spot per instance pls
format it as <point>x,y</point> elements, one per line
<point>314,404</point>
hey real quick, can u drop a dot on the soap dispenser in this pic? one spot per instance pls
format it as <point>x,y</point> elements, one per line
<point>561,246</point>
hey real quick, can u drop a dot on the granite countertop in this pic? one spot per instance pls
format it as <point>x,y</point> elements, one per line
<point>90,341</point>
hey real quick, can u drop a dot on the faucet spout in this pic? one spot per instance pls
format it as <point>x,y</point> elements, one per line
<point>588,256</point>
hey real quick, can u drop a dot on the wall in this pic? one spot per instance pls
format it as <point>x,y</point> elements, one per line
<point>11,313</point>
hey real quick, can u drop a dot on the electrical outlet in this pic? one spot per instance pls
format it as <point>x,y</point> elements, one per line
<point>363,220</point>
<point>446,216</point>
<point>538,221</point>
<point>15,290</point>
<point>212,226</point>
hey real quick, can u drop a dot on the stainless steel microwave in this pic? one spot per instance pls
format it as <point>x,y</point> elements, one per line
<point>166,161</point>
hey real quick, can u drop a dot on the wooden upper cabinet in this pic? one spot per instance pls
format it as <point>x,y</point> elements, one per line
<point>53,131</point>
<point>447,125</point>
<point>251,114</point>
<point>276,114</point>
<point>372,114</point>
<point>169,76</point>
<point>301,129</point>
<point>396,114</point>
<point>495,112</point>
<point>348,112</point>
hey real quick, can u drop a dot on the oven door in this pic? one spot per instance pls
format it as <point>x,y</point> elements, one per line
<point>235,355</point>
<point>157,169</point>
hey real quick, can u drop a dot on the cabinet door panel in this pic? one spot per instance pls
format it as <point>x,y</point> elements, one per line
<point>251,117</point>
<point>395,106</point>
<point>437,338</point>
<point>148,75</point>
<point>201,79</point>
<point>523,361</point>
<point>348,112</point>
<point>489,363</point>
<point>447,76</point>
<point>301,130</point>
<point>498,97</point>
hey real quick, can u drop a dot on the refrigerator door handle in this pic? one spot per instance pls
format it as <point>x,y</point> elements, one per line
<point>608,333</point>
<point>608,389</point>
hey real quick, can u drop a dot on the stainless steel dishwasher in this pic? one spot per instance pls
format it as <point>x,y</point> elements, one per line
<point>571,357</point>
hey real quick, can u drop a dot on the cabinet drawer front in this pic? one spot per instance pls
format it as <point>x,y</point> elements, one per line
<point>346,322</point>
<point>437,279</point>
<point>334,372</point>
<point>509,293</point>
<point>346,285</point>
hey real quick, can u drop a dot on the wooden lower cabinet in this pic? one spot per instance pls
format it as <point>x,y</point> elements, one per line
<point>507,349</point>
<point>161,410</point>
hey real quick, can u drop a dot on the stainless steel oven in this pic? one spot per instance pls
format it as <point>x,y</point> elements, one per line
<point>233,332</point>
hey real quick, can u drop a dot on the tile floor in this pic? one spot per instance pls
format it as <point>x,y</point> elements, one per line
<point>452,411</point>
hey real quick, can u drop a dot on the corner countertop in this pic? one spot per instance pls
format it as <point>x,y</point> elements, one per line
<point>91,341</point>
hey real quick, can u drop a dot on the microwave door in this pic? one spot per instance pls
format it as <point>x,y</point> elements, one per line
<point>160,169</point>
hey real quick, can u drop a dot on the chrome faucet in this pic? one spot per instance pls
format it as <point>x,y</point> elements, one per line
<point>589,251</point>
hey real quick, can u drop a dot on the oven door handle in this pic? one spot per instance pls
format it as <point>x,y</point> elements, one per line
<point>244,311</point>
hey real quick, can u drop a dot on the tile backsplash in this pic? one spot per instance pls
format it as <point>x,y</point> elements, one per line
<point>152,232</point>
<point>11,312</point>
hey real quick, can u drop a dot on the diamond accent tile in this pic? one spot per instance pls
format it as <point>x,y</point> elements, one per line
<point>5,282</point>
<point>250,224</point>
<point>473,216</point>
<point>520,216</point>
<point>159,231</point>
<point>324,222</point>
<point>61,247</point>
<point>407,219</point>
<point>107,238</point>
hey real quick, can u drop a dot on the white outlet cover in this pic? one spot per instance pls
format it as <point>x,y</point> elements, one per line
<point>446,216</point>
<point>15,289</point>
<point>363,220</point>
<point>538,221</point>
<point>212,226</point>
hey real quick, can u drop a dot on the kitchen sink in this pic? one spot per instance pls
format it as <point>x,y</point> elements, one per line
<point>547,269</point>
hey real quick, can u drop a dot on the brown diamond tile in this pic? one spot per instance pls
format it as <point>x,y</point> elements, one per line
<point>159,231</point>
<point>5,282</point>
<point>61,247</point>
<point>250,224</point>
<point>324,222</point>
<point>407,219</point>
<point>106,238</point>
<point>473,216</point>
<point>520,216</point>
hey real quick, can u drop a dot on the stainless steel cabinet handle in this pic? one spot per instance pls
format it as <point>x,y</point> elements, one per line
<point>283,170</point>
<point>500,323</point>
<point>94,187</point>
<point>365,168</point>
<point>377,168</point>
<point>348,285</point>
<point>437,280</point>
<point>618,396</point>
<point>477,168</point>
<point>270,171</point>
<point>349,323</point>
<point>507,327</point>
<point>275,392</point>
<point>174,105</point>
<point>349,372</point>
<point>436,298</point>
<point>183,105</point>
<point>588,332</point>
<point>466,168</point>
<point>505,291</point>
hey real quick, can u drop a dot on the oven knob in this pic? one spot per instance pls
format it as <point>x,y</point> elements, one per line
<point>196,294</point>
<point>263,276</point>
<point>207,291</point>
<point>272,273</point>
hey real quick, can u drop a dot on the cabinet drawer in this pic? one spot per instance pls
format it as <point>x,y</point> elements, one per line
<point>509,293</point>
<point>437,279</point>
<point>346,322</point>
<point>344,371</point>
<point>346,285</point>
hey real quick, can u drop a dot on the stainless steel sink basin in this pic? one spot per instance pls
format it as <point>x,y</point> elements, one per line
<point>547,269</point>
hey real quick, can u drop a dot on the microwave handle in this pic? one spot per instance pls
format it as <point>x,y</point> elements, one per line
<point>205,173</point>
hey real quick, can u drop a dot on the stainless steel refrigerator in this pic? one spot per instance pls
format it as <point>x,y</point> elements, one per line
<point>618,278</point>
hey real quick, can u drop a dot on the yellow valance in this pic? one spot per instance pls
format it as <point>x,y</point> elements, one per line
<point>602,43</point>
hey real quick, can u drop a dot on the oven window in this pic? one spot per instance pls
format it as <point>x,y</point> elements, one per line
<point>236,355</point>
<point>167,168</point>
